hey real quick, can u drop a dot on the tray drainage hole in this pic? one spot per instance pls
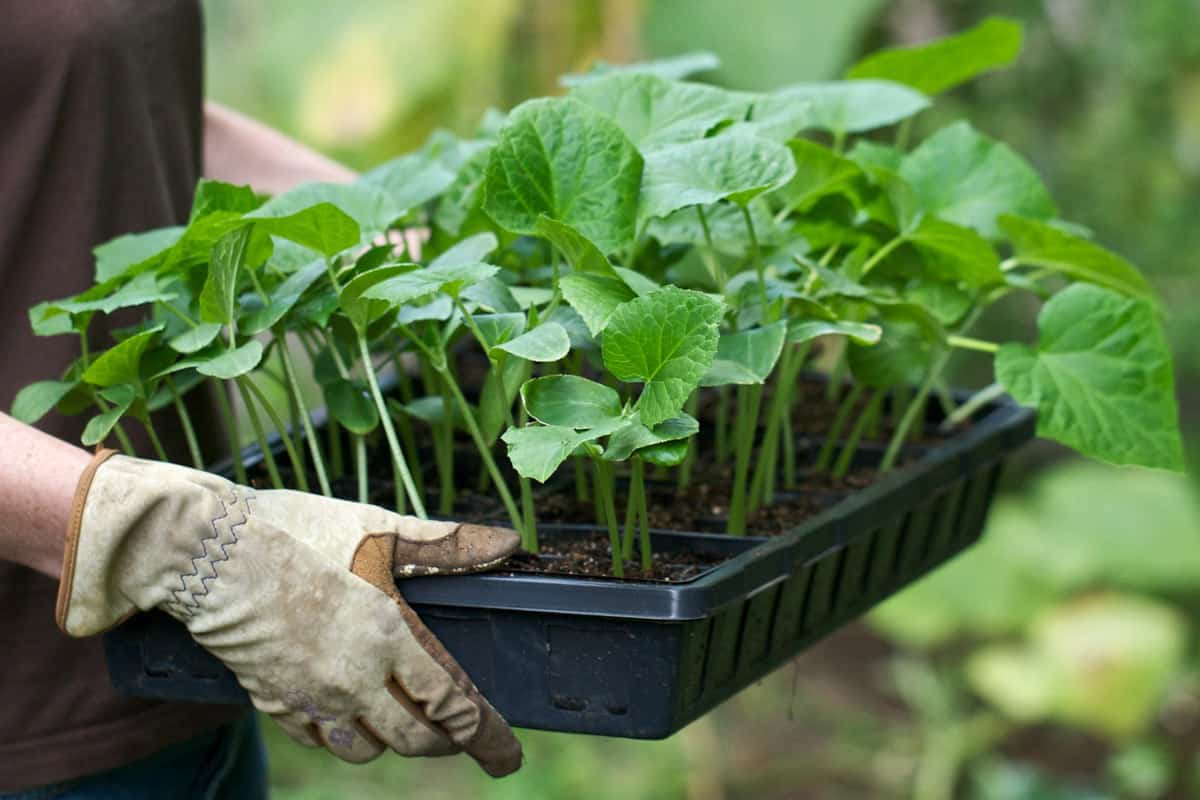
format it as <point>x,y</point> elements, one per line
<point>569,703</point>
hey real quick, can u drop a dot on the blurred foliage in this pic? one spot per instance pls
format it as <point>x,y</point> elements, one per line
<point>1055,661</point>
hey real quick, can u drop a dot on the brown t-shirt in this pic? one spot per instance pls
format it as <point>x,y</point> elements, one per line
<point>100,134</point>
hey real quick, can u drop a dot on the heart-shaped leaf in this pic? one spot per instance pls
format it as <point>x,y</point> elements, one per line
<point>536,451</point>
<point>351,406</point>
<point>634,437</point>
<point>1100,378</point>
<point>853,106</point>
<point>666,340</point>
<point>595,298</point>
<point>570,401</point>
<point>121,363</point>
<point>942,64</point>
<point>547,342</point>
<point>560,158</point>
<point>746,357</point>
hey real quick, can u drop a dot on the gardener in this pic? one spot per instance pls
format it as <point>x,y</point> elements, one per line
<point>103,131</point>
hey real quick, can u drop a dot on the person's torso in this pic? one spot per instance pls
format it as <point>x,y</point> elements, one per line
<point>100,135</point>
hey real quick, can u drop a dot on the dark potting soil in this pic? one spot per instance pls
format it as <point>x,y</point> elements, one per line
<point>701,506</point>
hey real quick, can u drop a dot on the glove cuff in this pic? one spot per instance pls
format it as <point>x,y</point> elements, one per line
<point>71,546</point>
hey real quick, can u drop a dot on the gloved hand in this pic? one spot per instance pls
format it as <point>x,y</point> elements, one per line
<point>295,593</point>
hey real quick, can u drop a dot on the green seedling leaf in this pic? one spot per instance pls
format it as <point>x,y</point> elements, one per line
<point>853,106</point>
<point>47,320</point>
<point>121,363</point>
<point>746,357</point>
<point>640,284</point>
<point>323,227</point>
<point>737,168</point>
<point>371,208</point>
<point>231,364</point>
<point>573,324</point>
<point>862,333</point>
<point>633,436</point>
<point>776,117</point>
<point>580,252</point>
<point>471,250</point>
<point>725,223</point>
<point>351,406</point>
<point>500,328</point>
<point>529,296</point>
<point>953,253</point>
<point>1038,244</point>
<point>944,63</point>
<point>1100,378</point>
<point>494,404</point>
<point>536,169</point>
<point>672,69</point>
<point>569,401</point>
<point>654,112</point>
<point>430,410</point>
<point>666,340</point>
<point>410,180</point>
<point>966,178</point>
<point>405,287</point>
<point>547,342</point>
<point>106,297</point>
<point>946,301</point>
<point>282,299</point>
<point>492,294</point>
<point>462,198</point>
<point>195,339</point>
<point>440,308</point>
<point>667,454</point>
<point>902,355</point>
<point>819,173</point>
<point>133,253</point>
<point>218,298</point>
<point>595,298</point>
<point>871,155</point>
<point>216,196</point>
<point>35,400</point>
<point>362,309</point>
<point>536,451</point>
<point>101,425</point>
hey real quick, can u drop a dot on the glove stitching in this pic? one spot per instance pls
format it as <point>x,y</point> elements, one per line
<point>187,601</point>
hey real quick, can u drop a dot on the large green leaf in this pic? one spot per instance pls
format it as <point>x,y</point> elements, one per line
<point>410,180</point>
<point>131,252</point>
<point>499,328</point>
<point>404,287</point>
<point>351,406</point>
<point>569,401</point>
<point>595,298</point>
<point>563,159</point>
<point>819,172</point>
<point>944,63</point>
<point>108,297</point>
<point>634,436</point>
<point>218,298</point>
<point>964,177</point>
<point>121,363</point>
<point>953,253</point>
<point>547,342</point>
<point>362,309</point>
<point>1100,378</point>
<point>233,363</point>
<point>35,400</point>
<point>1040,245</point>
<point>746,357</point>
<point>470,250</point>
<point>902,355</point>
<point>666,340</point>
<point>536,451</point>
<point>862,333</point>
<point>580,252</point>
<point>369,206</point>
<point>671,68</point>
<point>282,299</point>
<point>737,168</point>
<point>322,227</point>
<point>654,112</point>
<point>195,339</point>
<point>853,106</point>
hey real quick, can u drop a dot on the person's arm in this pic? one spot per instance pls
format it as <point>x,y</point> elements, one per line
<point>238,149</point>
<point>38,475</point>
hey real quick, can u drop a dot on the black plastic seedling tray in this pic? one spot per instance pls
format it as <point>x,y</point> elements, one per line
<point>641,659</point>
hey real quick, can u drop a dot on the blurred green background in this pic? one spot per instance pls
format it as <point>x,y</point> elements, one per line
<point>1058,659</point>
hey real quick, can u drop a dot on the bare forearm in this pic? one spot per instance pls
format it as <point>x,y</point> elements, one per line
<point>238,149</point>
<point>38,475</point>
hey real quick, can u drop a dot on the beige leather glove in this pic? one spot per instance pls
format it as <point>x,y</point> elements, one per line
<point>295,593</point>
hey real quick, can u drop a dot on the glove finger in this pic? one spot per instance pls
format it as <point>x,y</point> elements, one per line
<point>393,718</point>
<point>348,740</point>
<point>296,727</point>
<point>468,548</point>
